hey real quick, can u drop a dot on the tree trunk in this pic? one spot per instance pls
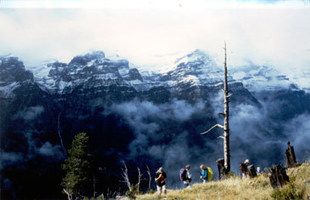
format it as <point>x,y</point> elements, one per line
<point>278,177</point>
<point>226,145</point>
<point>290,156</point>
<point>150,177</point>
<point>226,119</point>
<point>59,134</point>
<point>69,195</point>
<point>126,176</point>
<point>139,179</point>
<point>252,171</point>
<point>221,169</point>
<point>94,186</point>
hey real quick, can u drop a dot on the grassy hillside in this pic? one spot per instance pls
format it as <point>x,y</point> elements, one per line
<point>237,188</point>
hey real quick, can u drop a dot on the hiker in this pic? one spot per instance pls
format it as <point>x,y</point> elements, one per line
<point>244,168</point>
<point>160,179</point>
<point>203,174</point>
<point>186,176</point>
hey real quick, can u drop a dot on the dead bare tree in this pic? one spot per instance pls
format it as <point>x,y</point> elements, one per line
<point>226,119</point>
<point>59,134</point>
<point>278,177</point>
<point>94,186</point>
<point>290,156</point>
<point>139,179</point>
<point>150,177</point>
<point>126,177</point>
<point>69,194</point>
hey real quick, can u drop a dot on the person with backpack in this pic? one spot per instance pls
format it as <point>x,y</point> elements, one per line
<point>244,168</point>
<point>186,176</point>
<point>160,179</point>
<point>203,173</point>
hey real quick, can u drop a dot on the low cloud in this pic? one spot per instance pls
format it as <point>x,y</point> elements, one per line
<point>257,135</point>
<point>29,113</point>
<point>297,131</point>
<point>34,149</point>
<point>138,113</point>
<point>10,158</point>
<point>173,149</point>
<point>47,149</point>
<point>261,133</point>
<point>257,132</point>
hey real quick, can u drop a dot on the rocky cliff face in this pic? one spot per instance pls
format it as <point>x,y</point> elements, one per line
<point>12,75</point>
<point>92,70</point>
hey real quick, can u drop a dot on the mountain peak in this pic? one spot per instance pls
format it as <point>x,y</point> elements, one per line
<point>260,77</point>
<point>12,75</point>
<point>13,70</point>
<point>195,68</point>
<point>196,55</point>
<point>85,59</point>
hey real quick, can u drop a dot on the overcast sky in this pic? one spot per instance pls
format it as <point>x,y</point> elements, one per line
<point>153,33</point>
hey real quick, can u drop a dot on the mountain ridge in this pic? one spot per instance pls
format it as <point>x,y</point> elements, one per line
<point>196,68</point>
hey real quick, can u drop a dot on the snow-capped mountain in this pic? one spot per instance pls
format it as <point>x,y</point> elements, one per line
<point>91,70</point>
<point>94,70</point>
<point>196,68</point>
<point>12,75</point>
<point>260,77</point>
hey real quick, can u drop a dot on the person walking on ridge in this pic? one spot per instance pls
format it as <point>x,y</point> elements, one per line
<point>203,174</point>
<point>160,179</point>
<point>186,176</point>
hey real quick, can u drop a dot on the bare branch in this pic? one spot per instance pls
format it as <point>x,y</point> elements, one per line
<point>150,177</point>
<point>126,177</point>
<point>216,125</point>
<point>139,178</point>
<point>221,137</point>
<point>94,186</point>
<point>68,194</point>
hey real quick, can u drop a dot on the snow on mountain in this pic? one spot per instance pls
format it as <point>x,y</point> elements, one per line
<point>42,69</point>
<point>6,90</point>
<point>195,56</point>
<point>259,77</point>
<point>94,70</point>
<point>301,78</point>
<point>90,70</point>
<point>12,75</point>
<point>196,68</point>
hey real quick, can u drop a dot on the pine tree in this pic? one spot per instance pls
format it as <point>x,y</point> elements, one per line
<point>78,179</point>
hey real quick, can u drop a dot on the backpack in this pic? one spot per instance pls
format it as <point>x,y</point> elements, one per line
<point>210,173</point>
<point>183,174</point>
<point>243,168</point>
<point>163,176</point>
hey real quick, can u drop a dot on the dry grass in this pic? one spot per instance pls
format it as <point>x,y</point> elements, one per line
<point>301,175</point>
<point>234,188</point>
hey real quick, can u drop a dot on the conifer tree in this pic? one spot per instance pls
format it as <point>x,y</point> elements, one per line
<point>78,180</point>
